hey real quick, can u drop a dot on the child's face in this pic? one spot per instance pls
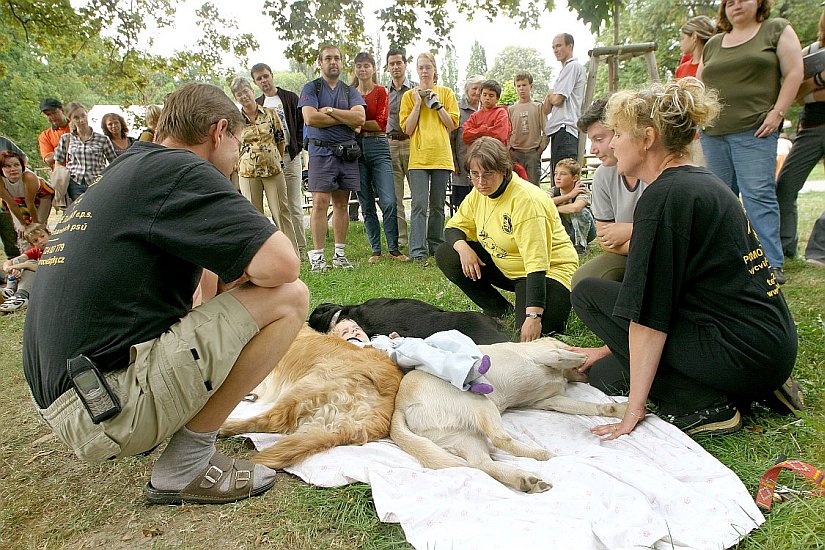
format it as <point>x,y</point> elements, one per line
<point>488,99</point>
<point>39,239</point>
<point>524,88</point>
<point>349,329</point>
<point>563,178</point>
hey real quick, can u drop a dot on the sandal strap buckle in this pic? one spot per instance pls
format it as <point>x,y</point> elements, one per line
<point>212,475</point>
<point>242,478</point>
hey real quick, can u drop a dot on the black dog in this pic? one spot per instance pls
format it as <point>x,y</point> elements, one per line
<point>408,317</point>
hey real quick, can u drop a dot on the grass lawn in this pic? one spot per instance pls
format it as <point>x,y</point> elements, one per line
<point>50,499</point>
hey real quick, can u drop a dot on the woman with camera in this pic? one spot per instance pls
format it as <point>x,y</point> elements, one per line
<point>428,114</point>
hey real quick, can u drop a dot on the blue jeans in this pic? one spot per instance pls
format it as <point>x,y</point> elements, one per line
<point>747,164</point>
<point>429,190</point>
<point>375,166</point>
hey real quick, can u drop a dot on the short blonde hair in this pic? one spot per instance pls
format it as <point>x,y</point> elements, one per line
<point>675,110</point>
<point>152,116</point>
<point>192,109</point>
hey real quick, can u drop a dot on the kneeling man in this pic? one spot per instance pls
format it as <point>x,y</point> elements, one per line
<point>116,359</point>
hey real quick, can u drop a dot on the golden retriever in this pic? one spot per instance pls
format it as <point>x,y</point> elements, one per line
<point>324,392</point>
<point>327,392</point>
<point>443,427</point>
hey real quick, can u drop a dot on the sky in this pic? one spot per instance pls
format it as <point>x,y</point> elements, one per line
<point>493,36</point>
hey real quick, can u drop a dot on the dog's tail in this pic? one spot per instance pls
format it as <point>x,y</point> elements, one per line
<point>427,452</point>
<point>308,440</point>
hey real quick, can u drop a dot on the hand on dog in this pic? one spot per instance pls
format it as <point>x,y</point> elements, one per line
<point>592,354</point>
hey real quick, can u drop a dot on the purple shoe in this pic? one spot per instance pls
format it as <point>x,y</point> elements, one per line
<point>481,388</point>
<point>484,366</point>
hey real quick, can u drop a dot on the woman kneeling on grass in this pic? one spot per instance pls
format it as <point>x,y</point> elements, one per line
<point>507,234</point>
<point>699,321</point>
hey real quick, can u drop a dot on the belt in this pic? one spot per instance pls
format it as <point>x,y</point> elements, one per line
<point>398,137</point>
<point>373,134</point>
<point>327,144</point>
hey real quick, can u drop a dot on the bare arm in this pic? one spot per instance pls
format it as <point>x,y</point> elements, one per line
<point>789,53</point>
<point>614,237</point>
<point>445,119</point>
<point>371,126</point>
<point>551,100</point>
<point>313,117</point>
<point>646,345</point>
<point>32,186</point>
<point>274,264</point>
<point>352,117</point>
<point>11,204</point>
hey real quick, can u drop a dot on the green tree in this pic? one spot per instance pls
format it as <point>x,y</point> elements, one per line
<point>508,93</point>
<point>513,59</point>
<point>449,70</point>
<point>478,60</point>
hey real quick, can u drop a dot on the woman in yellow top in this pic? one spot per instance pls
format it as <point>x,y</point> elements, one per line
<point>260,166</point>
<point>507,234</point>
<point>428,114</point>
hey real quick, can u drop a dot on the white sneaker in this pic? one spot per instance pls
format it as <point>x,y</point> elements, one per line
<point>318,265</point>
<point>13,304</point>
<point>339,260</point>
<point>8,293</point>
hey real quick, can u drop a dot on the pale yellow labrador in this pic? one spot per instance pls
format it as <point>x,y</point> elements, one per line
<point>442,426</point>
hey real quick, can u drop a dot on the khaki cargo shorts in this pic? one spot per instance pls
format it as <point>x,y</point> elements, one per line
<point>168,380</point>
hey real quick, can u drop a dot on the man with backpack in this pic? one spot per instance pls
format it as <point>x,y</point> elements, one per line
<point>332,112</point>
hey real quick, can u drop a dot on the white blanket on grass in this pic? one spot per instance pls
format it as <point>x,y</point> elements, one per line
<point>654,488</point>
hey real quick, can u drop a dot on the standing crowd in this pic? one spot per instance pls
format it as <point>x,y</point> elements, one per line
<point>685,295</point>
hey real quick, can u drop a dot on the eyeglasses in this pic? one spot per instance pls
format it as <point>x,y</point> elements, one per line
<point>486,176</point>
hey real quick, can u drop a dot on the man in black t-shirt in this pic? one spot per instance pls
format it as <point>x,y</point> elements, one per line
<point>115,285</point>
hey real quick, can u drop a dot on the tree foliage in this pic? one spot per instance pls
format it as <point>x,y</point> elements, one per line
<point>94,53</point>
<point>306,24</point>
<point>513,59</point>
<point>478,60</point>
<point>448,70</point>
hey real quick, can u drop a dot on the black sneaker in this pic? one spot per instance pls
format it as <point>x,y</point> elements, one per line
<point>723,418</point>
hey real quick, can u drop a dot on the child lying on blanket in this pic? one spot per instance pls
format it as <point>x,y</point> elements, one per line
<point>449,354</point>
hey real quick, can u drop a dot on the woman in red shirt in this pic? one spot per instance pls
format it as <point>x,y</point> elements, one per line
<point>375,163</point>
<point>692,37</point>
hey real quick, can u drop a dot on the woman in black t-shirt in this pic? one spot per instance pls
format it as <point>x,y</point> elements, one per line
<point>699,321</point>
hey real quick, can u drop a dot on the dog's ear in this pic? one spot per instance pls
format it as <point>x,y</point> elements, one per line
<point>320,317</point>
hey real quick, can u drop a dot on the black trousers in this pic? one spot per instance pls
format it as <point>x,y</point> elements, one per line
<point>483,292</point>
<point>563,145</point>
<point>695,370</point>
<point>8,235</point>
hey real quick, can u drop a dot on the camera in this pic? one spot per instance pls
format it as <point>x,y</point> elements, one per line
<point>430,99</point>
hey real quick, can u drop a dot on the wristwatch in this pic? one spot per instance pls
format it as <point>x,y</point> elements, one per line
<point>533,315</point>
<point>329,110</point>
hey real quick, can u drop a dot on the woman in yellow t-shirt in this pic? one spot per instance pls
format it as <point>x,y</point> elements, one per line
<point>507,234</point>
<point>428,114</point>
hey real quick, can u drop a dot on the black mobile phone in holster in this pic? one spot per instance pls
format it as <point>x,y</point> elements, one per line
<point>97,396</point>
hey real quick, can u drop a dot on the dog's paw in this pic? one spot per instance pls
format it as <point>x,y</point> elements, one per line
<point>615,410</point>
<point>543,454</point>
<point>533,484</point>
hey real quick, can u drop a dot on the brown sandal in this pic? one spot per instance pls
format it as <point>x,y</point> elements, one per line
<point>207,487</point>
